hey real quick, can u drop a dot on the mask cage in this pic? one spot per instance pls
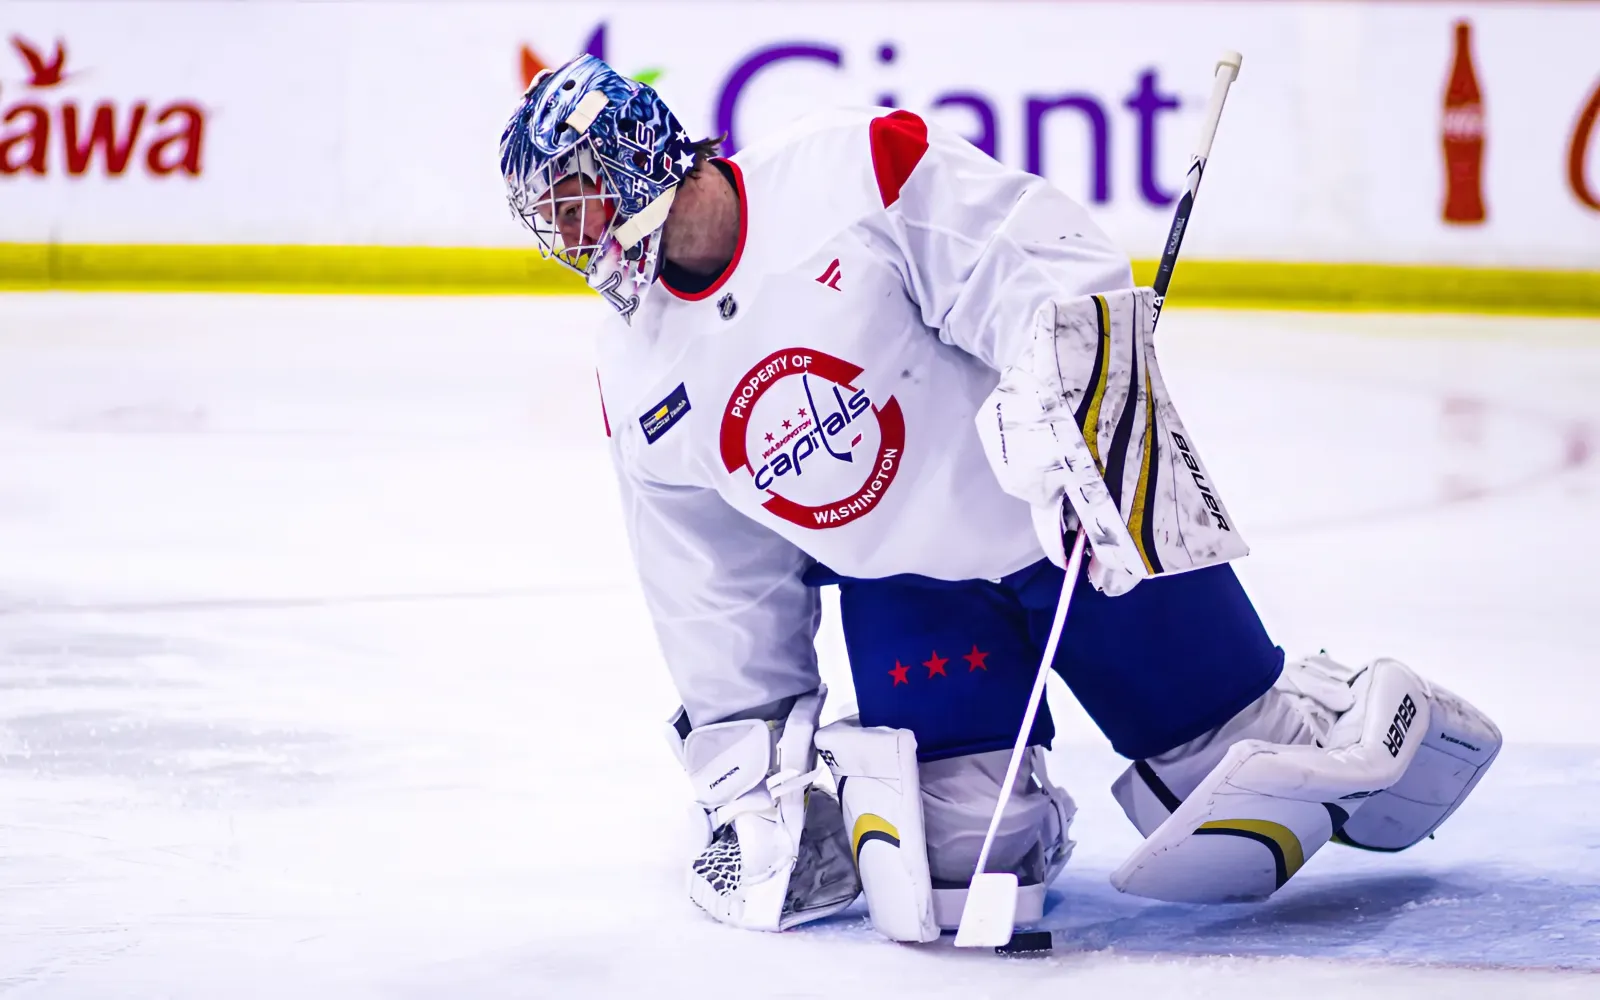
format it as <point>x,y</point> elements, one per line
<point>542,211</point>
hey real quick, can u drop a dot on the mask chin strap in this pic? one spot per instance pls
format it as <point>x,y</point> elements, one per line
<point>645,221</point>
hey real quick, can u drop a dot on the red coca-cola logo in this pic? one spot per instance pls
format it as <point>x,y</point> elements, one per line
<point>1462,133</point>
<point>1578,152</point>
<point>1463,123</point>
<point>49,129</point>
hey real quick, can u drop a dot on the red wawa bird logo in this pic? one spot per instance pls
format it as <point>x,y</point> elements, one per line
<point>93,134</point>
<point>42,73</point>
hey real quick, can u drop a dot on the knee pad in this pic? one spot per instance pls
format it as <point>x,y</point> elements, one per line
<point>958,799</point>
<point>1373,757</point>
<point>916,829</point>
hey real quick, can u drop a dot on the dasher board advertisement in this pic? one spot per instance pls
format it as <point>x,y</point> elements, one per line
<point>1409,133</point>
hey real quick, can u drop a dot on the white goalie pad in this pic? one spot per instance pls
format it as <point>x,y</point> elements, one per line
<point>776,854</point>
<point>1453,756</point>
<point>1266,808</point>
<point>1083,415</point>
<point>912,822</point>
<point>875,771</point>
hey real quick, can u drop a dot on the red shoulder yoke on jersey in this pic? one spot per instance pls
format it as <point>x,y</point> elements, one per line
<point>898,141</point>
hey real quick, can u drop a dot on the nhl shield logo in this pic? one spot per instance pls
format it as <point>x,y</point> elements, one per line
<point>726,307</point>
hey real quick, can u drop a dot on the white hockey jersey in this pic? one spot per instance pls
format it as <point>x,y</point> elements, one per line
<point>816,402</point>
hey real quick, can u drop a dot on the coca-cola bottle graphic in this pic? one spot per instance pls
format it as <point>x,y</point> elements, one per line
<point>1463,136</point>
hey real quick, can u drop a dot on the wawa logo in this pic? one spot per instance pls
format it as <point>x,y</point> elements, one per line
<point>101,138</point>
<point>817,446</point>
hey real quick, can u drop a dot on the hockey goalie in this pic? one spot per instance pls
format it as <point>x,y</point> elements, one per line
<point>863,354</point>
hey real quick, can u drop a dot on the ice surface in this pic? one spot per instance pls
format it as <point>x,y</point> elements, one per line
<point>322,673</point>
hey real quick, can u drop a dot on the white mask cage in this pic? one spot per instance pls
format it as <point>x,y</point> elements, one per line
<point>562,203</point>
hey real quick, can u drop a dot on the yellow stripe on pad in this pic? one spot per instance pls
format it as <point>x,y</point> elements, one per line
<point>1142,500</point>
<point>1091,420</point>
<point>1289,855</point>
<point>870,826</point>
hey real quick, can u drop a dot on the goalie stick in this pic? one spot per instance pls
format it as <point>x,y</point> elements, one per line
<point>989,914</point>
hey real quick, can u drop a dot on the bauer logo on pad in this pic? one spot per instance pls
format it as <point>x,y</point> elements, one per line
<point>664,414</point>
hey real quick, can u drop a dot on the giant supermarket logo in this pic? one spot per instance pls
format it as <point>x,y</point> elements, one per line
<point>1143,108</point>
<point>52,122</point>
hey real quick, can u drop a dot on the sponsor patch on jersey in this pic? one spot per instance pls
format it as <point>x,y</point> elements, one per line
<point>664,414</point>
<point>820,448</point>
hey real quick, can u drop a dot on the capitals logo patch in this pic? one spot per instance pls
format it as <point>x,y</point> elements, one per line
<point>820,448</point>
<point>664,414</point>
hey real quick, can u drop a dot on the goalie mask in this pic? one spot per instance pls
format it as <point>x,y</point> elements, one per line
<point>591,161</point>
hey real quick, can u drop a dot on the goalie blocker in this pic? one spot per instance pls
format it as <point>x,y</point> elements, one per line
<point>1084,416</point>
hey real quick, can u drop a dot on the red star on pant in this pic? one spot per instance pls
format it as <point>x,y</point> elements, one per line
<point>975,660</point>
<point>899,674</point>
<point>936,665</point>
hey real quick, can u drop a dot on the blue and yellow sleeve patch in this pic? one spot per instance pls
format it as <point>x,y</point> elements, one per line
<point>664,414</point>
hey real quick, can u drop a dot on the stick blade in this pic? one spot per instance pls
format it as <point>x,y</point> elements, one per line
<point>990,913</point>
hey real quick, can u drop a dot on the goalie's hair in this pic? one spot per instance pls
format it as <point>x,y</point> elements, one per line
<point>704,151</point>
